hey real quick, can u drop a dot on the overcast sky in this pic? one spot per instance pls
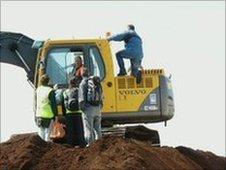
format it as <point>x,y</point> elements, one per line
<point>187,39</point>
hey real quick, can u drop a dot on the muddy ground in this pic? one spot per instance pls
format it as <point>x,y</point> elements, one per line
<point>28,151</point>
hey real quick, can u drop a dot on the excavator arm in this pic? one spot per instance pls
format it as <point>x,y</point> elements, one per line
<point>16,49</point>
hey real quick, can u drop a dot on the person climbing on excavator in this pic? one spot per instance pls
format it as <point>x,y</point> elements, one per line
<point>133,51</point>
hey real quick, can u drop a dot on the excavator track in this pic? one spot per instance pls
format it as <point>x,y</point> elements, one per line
<point>140,133</point>
<point>117,131</point>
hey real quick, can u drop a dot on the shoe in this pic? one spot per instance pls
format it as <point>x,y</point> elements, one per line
<point>139,77</point>
<point>122,74</point>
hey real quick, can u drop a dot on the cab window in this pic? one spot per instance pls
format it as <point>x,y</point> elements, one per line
<point>96,63</point>
<point>60,64</point>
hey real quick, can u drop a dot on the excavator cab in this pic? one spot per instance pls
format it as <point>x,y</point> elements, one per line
<point>59,62</point>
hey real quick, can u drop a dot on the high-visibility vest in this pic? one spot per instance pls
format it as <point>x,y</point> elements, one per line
<point>74,112</point>
<point>44,109</point>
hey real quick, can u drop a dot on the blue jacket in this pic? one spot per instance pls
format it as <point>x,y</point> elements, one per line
<point>133,42</point>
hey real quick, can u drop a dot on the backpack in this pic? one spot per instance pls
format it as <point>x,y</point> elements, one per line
<point>94,91</point>
<point>72,102</point>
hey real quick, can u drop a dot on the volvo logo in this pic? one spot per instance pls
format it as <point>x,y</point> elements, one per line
<point>132,92</point>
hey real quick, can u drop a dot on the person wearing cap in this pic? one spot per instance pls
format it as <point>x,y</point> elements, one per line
<point>133,51</point>
<point>46,108</point>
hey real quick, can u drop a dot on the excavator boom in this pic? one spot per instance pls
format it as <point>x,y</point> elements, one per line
<point>16,49</point>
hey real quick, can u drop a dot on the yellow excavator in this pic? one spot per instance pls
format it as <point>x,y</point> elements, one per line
<point>125,101</point>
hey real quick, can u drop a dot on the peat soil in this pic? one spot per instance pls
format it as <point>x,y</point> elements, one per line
<point>28,151</point>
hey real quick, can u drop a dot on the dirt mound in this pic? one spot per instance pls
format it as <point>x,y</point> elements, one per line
<point>206,160</point>
<point>28,151</point>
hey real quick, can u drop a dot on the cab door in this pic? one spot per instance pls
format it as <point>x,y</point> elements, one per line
<point>98,66</point>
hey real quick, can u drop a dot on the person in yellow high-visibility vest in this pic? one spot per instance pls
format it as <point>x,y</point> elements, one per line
<point>46,108</point>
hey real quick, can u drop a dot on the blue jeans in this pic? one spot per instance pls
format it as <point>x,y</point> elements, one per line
<point>135,62</point>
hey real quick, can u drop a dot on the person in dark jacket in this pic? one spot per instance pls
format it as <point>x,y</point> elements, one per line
<point>133,51</point>
<point>74,122</point>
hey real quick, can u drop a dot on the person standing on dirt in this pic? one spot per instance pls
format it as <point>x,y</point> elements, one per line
<point>74,122</point>
<point>46,109</point>
<point>133,51</point>
<point>91,102</point>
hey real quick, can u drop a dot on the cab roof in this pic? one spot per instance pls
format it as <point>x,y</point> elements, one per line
<point>74,41</point>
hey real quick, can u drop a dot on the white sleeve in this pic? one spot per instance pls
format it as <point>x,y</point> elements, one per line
<point>81,91</point>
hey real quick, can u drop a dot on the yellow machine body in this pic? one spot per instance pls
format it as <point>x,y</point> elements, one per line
<point>123,97</point>
<point>124,102</point>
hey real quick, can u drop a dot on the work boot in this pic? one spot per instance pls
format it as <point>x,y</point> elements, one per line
<point>122,73</point>
<point>139,77</point>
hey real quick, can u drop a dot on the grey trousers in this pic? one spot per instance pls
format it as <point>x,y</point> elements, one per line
<point>44,133</point>
<point>92,123</point>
